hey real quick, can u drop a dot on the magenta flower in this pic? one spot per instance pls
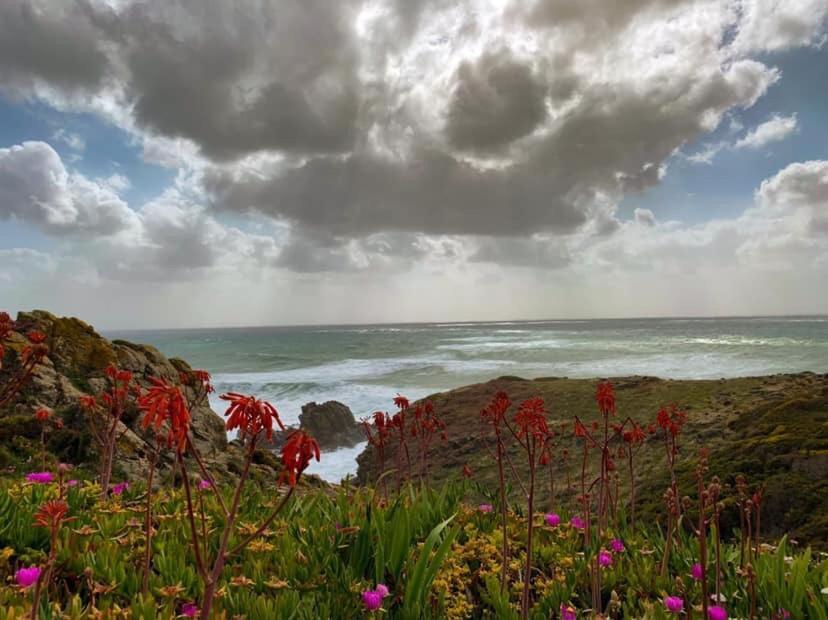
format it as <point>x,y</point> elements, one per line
<point>72,483</point>
<point>617,545</point>
<point>696,572</point>
<point>605,558</point>
<point>577,522</point>
<point>119,488</point>
<point>485,508</point>
<point>673,604</point>
<point>372,600</point>
<point>568,612</point>
<point>40,477</point>
<point>189,610</point>
<point>382,589</point>
<point>27,577</point>
<point>716,612</point>
<point>204,484</point>
<point>552,519</point>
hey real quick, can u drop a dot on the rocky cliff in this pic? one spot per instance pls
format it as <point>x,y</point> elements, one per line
<point>75,366</point>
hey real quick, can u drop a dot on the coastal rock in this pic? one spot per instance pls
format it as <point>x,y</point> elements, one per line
<point>332,424</point>
<point>75,365</point>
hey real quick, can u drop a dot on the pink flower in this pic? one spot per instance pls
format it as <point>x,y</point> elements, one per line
<point>485,508</point>
<point>716,613</point>
<point>205,484</point>
<point>27,577</point>
<point>40,477</point>
<point>189,610</point>
<point>673,604</point>
<point>72,483</point>
<point>119,488</point>
<point>382,589</point>
<point>553,520</point>
<point>372,600</point>
<point>605,558</point>
<point>577,522</point>
<point>696,572</point>
<point>617,545</point>
<point>568,612</point>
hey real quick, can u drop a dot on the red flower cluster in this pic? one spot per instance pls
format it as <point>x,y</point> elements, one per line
<point>605,397</point>
<point>634,436</point>
<point>120,385</point>
<point>495,411</point>
<point>51,514</point>
<point>198,378</point>
<point>531,419</point>
<point>671,419</point>
<point>165,403</point>
<point>297,452</point>
<point>42,415</point>
<point>250,415</point>
<point>426,423</point>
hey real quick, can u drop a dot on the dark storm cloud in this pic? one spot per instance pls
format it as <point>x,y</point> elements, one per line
<point>432,192</point>
<point>612,142</point>
<point>238,78</point>
<point>496,100</point>
<point>49,42</point>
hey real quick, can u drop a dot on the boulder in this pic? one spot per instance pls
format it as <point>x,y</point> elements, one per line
<point>332,424</point>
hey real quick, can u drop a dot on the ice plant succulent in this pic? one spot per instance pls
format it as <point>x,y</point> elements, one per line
<point>40,477</point>
<point>674,604</point>
<point>552,519</point>
<point>27,577</point>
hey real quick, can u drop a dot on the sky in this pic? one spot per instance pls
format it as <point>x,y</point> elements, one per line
<point>189,163</point>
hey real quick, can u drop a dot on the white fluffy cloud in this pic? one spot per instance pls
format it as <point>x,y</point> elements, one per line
<point>776,129</point>
<point>36,188</point>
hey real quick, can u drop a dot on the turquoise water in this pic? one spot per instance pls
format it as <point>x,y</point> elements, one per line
<point>365,366</point>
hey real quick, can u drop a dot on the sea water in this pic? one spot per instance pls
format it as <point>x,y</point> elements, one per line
<point>365,366</point>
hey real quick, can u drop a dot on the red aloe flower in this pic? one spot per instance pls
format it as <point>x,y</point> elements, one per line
<point>401,402</point>
<point>495,411</point>
<point>580,429</point>
<point>51,514</point>
<point>36,337</point>
<point>87,402</point>
<point>204,378</point>
<point>250,415</point>
<point>297,452</point>
<point>165,403</point>
<point>605,397</point>
<point>42,415</point>
<point>531,419</point>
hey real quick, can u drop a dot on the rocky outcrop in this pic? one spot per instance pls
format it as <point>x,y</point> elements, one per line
<point>332,424</point>
<point>75,365</point>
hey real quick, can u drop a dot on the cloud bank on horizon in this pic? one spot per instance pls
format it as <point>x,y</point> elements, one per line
<point>196,162</point>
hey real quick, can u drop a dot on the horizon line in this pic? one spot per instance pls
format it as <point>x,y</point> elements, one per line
<point>473,322</point>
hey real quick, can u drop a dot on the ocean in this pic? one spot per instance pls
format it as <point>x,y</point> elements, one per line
<point>365,366</point>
